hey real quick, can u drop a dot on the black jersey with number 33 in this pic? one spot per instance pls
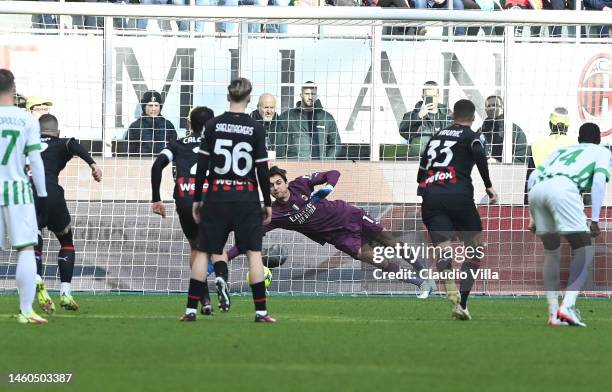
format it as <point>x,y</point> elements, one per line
<point>447,162</point>
<point>183,152</point>
<point>235,143</point>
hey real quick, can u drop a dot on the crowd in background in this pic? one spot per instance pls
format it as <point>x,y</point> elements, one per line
<point>92,22</point>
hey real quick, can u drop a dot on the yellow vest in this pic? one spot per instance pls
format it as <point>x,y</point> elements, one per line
<point>541,149</point>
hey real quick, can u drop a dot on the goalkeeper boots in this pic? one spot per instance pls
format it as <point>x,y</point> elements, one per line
<point>264,319</point>
<point>570,315</point>
<point>223,294</point>
<point>427,288</point>
<point>44,300</point>
<point>461,314</point>
<point>31,318</point>
<point>67,302</point>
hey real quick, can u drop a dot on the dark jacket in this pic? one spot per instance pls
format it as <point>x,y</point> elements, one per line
<point>295,138</point>
<point>493,131</point>
<point>412,126</point>
<point>148,135</point>
<point>270,127</point>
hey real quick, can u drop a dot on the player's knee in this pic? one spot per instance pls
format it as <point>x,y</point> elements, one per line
<point>551,241</point>
<point>65,237</point>
<point>579,240</point>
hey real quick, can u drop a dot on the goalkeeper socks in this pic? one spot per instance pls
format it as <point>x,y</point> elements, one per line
<point>466,284</point>
<point>25,277</point>
<point>194,295</point>
<point>221,270</point>
<point>259,298</point>
<point>38,256</point>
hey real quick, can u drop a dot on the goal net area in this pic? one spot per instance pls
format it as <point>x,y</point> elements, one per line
<point>371,67</point>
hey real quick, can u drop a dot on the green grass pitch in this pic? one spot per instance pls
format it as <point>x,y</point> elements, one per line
<point>136,343</point>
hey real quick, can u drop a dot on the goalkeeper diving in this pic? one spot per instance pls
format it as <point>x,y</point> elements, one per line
<point>299,207</point>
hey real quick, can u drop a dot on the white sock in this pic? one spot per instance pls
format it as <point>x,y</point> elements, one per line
<point>570,298</point>
<point>261,312</point>
<point>553,301</point>
<point>39,279</point>
<point>191,311</point>
<point>26,279</point>
<point>65,288</point>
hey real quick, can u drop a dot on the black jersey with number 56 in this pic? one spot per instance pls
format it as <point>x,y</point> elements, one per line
<point>447,162</point>
<point>235,143</point>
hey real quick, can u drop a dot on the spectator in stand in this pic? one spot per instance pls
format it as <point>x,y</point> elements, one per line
<point>42,21</point>
<point>598,5</point>
<point>457,5</point>
<point>555,31</point>
<point>493,130</point>
<point>278,28</point>
<point>426,119</point>
<point>483,5</point>
<point>266,116</point>
<point>97,22</point>
<point>164,24</point>
<point>399,30</point>
<point>534,31</point>
<point>151,132</point>
<point>310,131</point>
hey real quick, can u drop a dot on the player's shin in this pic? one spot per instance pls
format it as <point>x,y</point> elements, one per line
<point>258,287</point>
<point>394,266</point>
<point>445,264</point>
<point>552,258</point>
<point>579,272</point>
<point>25,277</point>
<point>470,267</point>
<point>65,260</point>
<point>197,285</point>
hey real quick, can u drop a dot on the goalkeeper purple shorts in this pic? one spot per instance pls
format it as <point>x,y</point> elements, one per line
<point>356,234</point>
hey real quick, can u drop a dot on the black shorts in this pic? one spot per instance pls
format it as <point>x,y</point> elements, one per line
<point>57,210</point>
<point>447,217</point>
<point>185,215</point>
<point>219,219</point>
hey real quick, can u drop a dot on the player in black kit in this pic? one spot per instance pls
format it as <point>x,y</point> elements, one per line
<point>448,208</point>
<point>56,154</point>
<point>183,152</point>
<point>232,150</point>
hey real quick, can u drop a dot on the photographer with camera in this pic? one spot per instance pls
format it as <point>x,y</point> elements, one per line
<point>428,117</point>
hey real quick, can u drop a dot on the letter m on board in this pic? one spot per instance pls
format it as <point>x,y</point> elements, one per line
<point>126,61</point>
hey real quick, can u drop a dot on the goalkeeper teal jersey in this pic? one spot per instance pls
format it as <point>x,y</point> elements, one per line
<point>19,134</point>
<point>578,162</point>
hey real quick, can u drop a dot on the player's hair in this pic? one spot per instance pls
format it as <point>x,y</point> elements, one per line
<point>199,116</point>
<point>496,97</point>
<point>239,89</point>
<point>48,124</point>
<point>464,109</point>
<point>589,133</point>
<point>277,171</point>
<point>7,81</point>
<point>309,85</point>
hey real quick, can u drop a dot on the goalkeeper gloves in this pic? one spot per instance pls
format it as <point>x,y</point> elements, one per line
<point>322,193</point>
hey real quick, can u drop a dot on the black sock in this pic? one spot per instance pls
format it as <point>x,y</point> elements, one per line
<point>195,293</point>
<point>221,270</point>
<point>206,293</point>
<point>466,284</point>
<point>259,296</point>
<point>66,257</point>
<point>38,256</point>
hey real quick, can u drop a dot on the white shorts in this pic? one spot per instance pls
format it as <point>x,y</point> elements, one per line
<point>18,222</point>
<point>556,207</point>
